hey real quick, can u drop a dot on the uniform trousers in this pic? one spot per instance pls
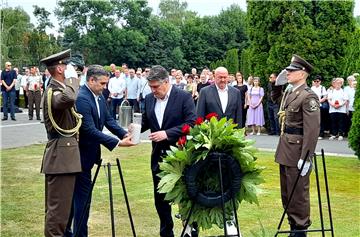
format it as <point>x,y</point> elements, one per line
<point>34,98</point>
<point>59,191</point>
<point>299,208</point>
<point>163,208</point>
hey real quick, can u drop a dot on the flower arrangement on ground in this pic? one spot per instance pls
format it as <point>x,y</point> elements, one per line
<point>207,136</point>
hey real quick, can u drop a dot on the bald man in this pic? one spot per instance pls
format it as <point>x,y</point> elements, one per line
<point>221,98</point>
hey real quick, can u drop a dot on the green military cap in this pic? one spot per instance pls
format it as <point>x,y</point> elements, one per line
<point>56,59</point>
<point>298,63</point>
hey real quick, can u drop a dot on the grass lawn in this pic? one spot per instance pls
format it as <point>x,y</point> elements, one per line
<point>22,196</point>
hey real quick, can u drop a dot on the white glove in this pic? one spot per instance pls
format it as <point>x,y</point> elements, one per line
<point>70,72</point>
<point>306,166</point>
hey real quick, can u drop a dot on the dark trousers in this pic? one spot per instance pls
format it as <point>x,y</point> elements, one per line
<point>299,208</point>
<point>17,98</point>
<point>8,96</point>
<point>243,119</point>
<point>135,104</point>
<point>81,193</point>
<point>58,198</point>
<point>34,99</point>
<point>163,209</point>
<point>273,110</point>
<point>114,104</point>
<point>324,120</point>
<point>142,105</point>
<point>348,122</point>
<point>337,124</point>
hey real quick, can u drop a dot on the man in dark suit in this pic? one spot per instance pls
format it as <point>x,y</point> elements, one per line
<point>91,104</point>
<point>167,109</point>
<point>221,99</point>
<point>61,161</point>
<point>224,100</point>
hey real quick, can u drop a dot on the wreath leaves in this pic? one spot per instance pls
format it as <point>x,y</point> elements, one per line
<point>206,136</point>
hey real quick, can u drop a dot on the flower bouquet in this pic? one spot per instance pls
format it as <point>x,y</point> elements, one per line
<point>207,137</point>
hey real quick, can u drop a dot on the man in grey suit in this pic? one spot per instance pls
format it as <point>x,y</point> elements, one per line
<point>221,98</point>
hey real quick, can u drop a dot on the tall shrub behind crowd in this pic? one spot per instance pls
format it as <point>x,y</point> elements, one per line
<point>354,133</point>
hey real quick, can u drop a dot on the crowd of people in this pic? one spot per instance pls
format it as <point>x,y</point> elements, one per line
<point>337,101</point>
<point>77,105</point>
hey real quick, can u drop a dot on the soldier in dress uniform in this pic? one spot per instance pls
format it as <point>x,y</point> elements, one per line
<point>300,123</point>
<point>61,161</point>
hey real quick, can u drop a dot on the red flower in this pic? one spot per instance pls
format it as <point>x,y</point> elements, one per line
<point>185,129</point>
<point>199,121</point>
<point>182,141</point>
<point>209,116</point>
<point>337,102</point>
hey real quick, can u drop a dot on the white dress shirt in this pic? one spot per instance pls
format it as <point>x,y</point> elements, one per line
<point>224,97</point>
<point>117,85</point>
<point>160,107</point>
<point>96,97</point>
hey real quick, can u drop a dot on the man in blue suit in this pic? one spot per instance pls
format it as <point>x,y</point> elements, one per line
<point>221,98</point>
<point>167,109</point>
<point>91,104</point>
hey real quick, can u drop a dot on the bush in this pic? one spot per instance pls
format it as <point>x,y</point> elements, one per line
<point>354,133</point>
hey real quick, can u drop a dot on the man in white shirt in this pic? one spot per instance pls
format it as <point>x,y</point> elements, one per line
<point>167,109</point>
<point>133,90</point>
<point>117,88</point>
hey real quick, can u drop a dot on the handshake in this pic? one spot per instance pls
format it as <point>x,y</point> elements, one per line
<point>132,137</point>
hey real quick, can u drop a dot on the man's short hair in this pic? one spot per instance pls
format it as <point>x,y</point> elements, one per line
<point>158,73</point>
<point>95,71</point>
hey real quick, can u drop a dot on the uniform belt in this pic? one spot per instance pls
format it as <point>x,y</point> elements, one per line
<point>297,131</point>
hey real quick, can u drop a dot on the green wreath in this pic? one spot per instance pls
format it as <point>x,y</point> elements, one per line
<point>208,136</point>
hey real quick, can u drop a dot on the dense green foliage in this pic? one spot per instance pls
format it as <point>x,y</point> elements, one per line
<point>354,133</point>
<point>258,42</point>
<point>323,32</point>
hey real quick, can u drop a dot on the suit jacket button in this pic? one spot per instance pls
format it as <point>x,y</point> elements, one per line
<point>68,144</point>
<point>297,141</point>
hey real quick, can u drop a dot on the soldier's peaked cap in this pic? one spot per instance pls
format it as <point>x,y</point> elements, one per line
<point>56,59</point>
<point>298,63</point>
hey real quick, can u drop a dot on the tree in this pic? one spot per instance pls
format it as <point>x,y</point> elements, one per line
<point>175,11</point>
<point>354,133</point>
<point>15,24</point>
<point>42,16</point>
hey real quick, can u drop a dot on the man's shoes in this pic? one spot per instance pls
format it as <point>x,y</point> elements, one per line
<point>271,133</point>
<point>30,118</point>
<point>13,119</point>
<point>340,138</point>
<point>332,138</point>
<point>38,118</point>
<point>3,119</point>
<point>320,138</point>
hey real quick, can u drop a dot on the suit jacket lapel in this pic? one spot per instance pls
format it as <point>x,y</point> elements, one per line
<point>215,95</point>
<point>171,101</point>
<point>152,112</point>
<point>293,95</point>
<point>230,98</point>
<point>94,108</point>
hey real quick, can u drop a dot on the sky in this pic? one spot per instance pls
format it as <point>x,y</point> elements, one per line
<point>202,7</point>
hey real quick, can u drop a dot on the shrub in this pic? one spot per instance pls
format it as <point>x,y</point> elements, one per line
<point>354,133</point>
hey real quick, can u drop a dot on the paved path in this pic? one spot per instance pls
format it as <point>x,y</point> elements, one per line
<point>25,132</point>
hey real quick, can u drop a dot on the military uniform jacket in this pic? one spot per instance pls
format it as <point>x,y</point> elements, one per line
<point>61,154</point>
<point>301,112</point>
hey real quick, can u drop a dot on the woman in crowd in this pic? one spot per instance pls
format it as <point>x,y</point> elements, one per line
<point>338,100</point>
<point>324,105</point>
<point>350,91</point>
<point>255,113</point>
<point>191,86</point>
<point>243,91</point>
